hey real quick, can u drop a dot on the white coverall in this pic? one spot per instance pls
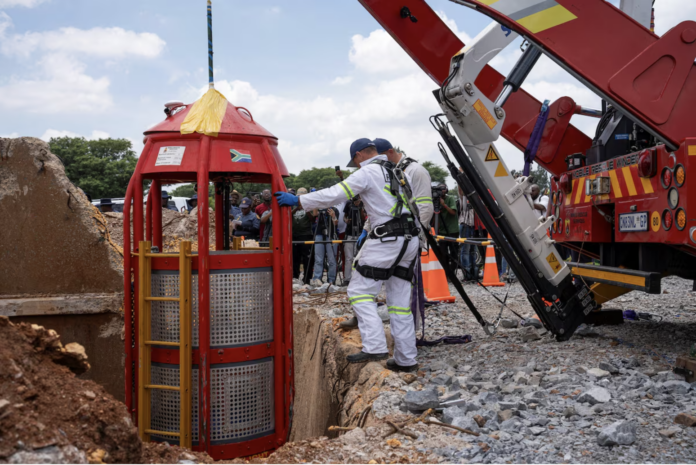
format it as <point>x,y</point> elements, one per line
<point>370,182</point>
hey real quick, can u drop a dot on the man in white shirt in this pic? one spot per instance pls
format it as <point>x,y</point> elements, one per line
<point>541,202</point>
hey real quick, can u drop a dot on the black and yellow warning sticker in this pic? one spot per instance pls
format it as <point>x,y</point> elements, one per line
<point>554,263</point>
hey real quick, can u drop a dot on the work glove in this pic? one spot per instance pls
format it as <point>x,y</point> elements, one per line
<point>287,200</point>
<point>361,239</point>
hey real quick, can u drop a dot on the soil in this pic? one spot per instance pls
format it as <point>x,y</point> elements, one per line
<point>46,411</point>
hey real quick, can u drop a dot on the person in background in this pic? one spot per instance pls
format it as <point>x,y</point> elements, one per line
<point>341,233</point>
<point>312,189</point>
<point>262,208</point>
<point>302,231</point>
<point>355,216</point>
<point>193,202</point>
<point>165,202</point>
<point>106,205</point>
<point>235,211</point>
<point>266,225</point>
<point>292,191</point>
<point>246,224</point>
<point>449,226</point>
<point>467,254</point>
<point>325,232</point>
<point>541,202</point>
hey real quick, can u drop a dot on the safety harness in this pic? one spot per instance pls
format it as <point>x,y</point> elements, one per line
<point>403,225</point>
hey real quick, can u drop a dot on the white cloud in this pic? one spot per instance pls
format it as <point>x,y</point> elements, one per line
<point>378,53</point>
<point>12,135</point>
<point>24,3</point>
<point>113,42</point>
<point>275,10</point>
<point>96,134</point>
<point>342,81</point>
<point>61,87</point>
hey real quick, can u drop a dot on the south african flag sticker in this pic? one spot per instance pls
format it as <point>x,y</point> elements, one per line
<point>239,157</point>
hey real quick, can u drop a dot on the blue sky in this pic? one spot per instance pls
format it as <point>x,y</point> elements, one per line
<point>317,74</point>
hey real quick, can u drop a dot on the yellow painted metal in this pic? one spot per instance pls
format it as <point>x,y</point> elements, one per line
<point>185,319</point>
<point>161,343</point>
<point>609,276</point>
<point>162,387</point>
<point>605,292</point>
<point>162,299</point>
<point>144,289</point>
<point>161,433</point>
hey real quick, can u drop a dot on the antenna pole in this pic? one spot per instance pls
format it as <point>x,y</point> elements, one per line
<point>211,83</point>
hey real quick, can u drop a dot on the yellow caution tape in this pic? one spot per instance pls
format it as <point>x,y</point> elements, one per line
<point>206,114</point>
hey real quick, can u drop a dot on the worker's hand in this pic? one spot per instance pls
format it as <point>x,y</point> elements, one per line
<point>442,201</point>
<point>332,214</point>
<point>361,239</point>
<point>287,200</point>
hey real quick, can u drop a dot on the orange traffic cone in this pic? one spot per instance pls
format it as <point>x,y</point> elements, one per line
<point>434,278</point>
<point>490,269</point>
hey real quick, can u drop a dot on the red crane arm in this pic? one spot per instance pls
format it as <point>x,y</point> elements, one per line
<point>432,44</point>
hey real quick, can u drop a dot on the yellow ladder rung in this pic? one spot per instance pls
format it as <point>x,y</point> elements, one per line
<point>162,433</point>
<point>162,299</point>
<point>162,386</point>
<point>161,343</point>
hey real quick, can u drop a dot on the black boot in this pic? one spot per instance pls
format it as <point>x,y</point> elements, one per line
<point>362,357</point>
<point>349,323</point>
<point>393,366</point>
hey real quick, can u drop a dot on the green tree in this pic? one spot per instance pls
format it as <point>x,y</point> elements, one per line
<point>101,168</point>
<point>437,173</point>
<point>315,177</point>
<point>540,177</point>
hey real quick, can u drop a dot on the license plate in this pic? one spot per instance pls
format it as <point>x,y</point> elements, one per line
<point>633,222</point>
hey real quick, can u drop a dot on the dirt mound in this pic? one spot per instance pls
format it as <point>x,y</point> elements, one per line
<point>48,415</point>
<point>175,227</point>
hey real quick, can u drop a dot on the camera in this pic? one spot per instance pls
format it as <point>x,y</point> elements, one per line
<point>437,193</point>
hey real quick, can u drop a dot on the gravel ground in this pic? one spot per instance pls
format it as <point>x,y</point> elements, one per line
<point>607,395</point>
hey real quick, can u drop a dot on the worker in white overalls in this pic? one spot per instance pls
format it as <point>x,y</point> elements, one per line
<point>387,256</point>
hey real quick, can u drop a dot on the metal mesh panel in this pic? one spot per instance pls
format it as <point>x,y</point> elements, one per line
<point>165,315</point>
<point>242,401</point>
<point>165,404</point>
<point>241,308</point>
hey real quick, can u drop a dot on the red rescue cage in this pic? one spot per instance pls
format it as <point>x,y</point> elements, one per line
<point>209,361</point>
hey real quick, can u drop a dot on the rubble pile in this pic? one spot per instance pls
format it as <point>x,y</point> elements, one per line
<point>48,415</point>
<point>608,395</point>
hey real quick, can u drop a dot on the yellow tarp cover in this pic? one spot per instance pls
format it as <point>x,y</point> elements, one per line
<point>206,114</point>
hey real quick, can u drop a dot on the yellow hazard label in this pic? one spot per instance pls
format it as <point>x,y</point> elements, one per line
<point>491,155</point>
<point>655,221</point>
<point>485,114</point>
<point>500,171</point>
<point>692,150</point>
<point>554,263</point>
<point>535,15</point>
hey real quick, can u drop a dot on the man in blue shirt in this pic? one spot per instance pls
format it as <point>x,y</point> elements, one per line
<point>247,223</point>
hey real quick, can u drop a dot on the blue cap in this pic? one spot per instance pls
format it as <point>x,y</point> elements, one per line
<point>105,202</point>
<point>194,197</point>
<point>357,146</point>
<point>165,195</point>
<point>246,203</point>
<point>382,145</point>
<point>312,189</point>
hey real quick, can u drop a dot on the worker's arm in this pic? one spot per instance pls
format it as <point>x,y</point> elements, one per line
<point>325,198</point>
<point>420,186</point>
<point>444,203</point>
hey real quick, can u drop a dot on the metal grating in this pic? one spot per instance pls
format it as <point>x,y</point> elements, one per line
<point>241,307</point>
<point>242,401</point>
<point>165,404</point>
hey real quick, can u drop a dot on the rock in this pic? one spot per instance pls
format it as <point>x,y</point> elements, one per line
<point>421,400</point>
<point>569,412</point>
<point>685,419</point>
<point>442,380</point>
<point>386,404</point>
<point>356,437</point>
<point>520,378</point>
<point>480,420</point>
<point>533,322</point>
<point>89,394</point>
<point>393,443</point>
<point>74,357</point>
<point>669,432</point>
<point>488,397</point>
<point>3,404</point>
<point>529,333</point>
<point>504,415</point>
<point>676,387</point>
<point>52,454</point>
<point>466,423</point>
<point>596,395</point>
<point>585,331</point>
<point>537,430</point>
<point>619,433</point>
<point>450,413</point>
<point>606,366</point>
<point>408,377</point>
<point>383,313</point>
<point>509,323</point>
<point>598,372</point>
<point>511,425</point>
<point>507,405</point>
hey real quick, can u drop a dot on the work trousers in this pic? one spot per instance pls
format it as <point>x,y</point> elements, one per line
<point>349,251</point>
<point>467,253</point>
<point>362,292</point>
<point>301,256</point>
<point>330,251</point>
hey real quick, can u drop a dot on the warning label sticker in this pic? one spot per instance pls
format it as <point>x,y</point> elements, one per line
<point>485,114</point>
<point>656,221</point>
<point>554,263</point>
<point>500,171</point>
<point>491,155</point>
<point>170,156</point>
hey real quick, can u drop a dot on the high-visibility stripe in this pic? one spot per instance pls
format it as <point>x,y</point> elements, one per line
<point>347,190</point>
<point>647,185</point>
<point>361,297</point>
<point>547,19</point>
<point>424,200</point>
<point>431,265</point>
<point>578,193</point>
<point>615,185</point>
<point>362,300</point>
<point>628,177</point>
<point>491,259</point>
<point>399,310</point>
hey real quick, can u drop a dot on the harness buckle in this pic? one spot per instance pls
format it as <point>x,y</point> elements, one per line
<point>376,234</point>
